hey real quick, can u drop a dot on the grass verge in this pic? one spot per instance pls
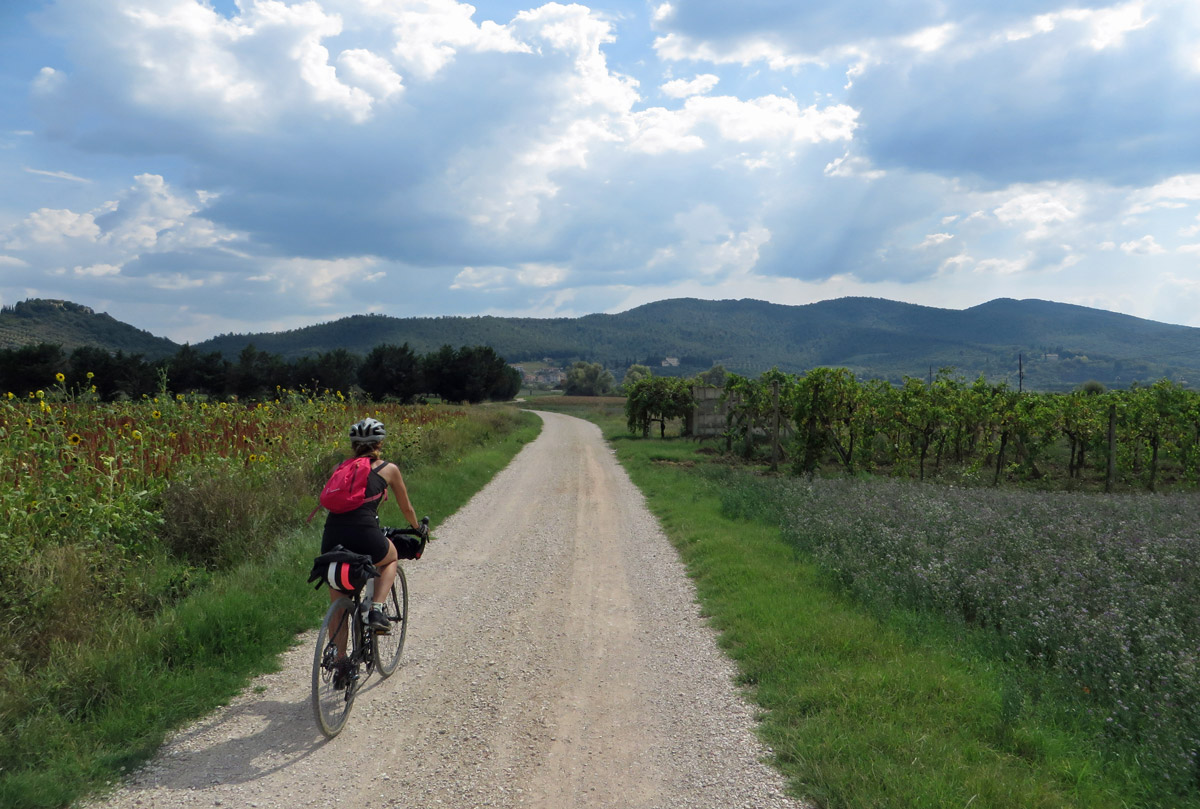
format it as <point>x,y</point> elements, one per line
<point>858,712</point>
<point>861,710</point>
<point>96,712</point>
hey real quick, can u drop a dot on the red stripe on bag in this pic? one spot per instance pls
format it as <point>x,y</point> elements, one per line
<point>344,577</point>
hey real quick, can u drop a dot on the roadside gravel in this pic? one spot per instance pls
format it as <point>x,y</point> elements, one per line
<point>556,658</point>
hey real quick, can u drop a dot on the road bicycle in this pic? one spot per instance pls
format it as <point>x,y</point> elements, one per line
<point>349,651</point>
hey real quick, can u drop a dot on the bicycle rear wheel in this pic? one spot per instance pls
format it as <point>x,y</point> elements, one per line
<point>387,648</point>
<point>334,678</point>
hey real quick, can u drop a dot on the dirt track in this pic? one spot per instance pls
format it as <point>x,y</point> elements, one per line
<point>556,658</point>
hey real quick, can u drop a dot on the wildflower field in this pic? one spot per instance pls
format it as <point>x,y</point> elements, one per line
<point>129,533</point>
<point>1089,603</point>
<point>95,495</point>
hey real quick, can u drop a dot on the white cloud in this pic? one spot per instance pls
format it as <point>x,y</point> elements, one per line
<point>53,226</point>
<point>98,270</point>
<point>935,239</point>
<point>1167,193</point>
<point>497,279</point>
<point>931,39</point>
<point>773,117</point>
<point>675,47</point>
<point>47,81</point>
<point>682,88</point>
<point>660,130</point>
<point>579,34</point>
<point>765,119</point>
<point>1002,266</point>
<point>479,278</point>
<point>662,12</point>
<point>430,33</point>
<point>319,281</point>
<point>1041,208</point>
<point>59,175</point>
<point>150,216</point>
<point>1100,28</point>
<point>708,247</point>
<point>1145,246</point>
<point>540,275</point>
<point>852,166</point>
<point>371,72</point>
<point>270,61</point>
<point>1110,25</point>
<point>148,219</point>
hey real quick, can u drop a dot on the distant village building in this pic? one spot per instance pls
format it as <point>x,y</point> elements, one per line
<point>545,376</point>
<point>672,362</point>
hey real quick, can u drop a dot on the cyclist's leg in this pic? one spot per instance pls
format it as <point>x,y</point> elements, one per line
<point>339,636</point>
<point>387,572</point>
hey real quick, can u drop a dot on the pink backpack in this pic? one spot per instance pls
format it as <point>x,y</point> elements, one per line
<point>346,488</point>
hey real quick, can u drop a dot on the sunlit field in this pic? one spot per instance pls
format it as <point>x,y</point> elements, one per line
<point>154,555</point>
<point>90,491</point>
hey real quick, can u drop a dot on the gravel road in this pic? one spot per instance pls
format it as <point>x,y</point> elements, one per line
<point>556,658</point>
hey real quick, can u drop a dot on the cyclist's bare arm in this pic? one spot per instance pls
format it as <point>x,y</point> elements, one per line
<point>391,474</point>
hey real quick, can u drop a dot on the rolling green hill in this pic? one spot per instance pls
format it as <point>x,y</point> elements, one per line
<point>72,326</point>
<point>1057,346</point>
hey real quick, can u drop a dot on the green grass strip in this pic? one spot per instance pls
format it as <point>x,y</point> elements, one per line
<point>858,711</point>
<point>98,713</point>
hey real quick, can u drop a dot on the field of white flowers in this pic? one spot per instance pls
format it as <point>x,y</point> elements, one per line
<point>1102,592</point>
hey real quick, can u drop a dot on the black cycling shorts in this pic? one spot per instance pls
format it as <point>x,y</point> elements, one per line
<point>365,539</point>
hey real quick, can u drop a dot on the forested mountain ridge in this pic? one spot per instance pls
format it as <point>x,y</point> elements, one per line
<point>72,325</point>
<point>1054,345</point>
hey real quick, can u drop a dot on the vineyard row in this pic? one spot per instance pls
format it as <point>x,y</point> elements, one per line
<point>827,418</point>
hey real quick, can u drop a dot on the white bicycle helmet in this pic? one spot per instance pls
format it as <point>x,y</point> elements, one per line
<point>367,431</point>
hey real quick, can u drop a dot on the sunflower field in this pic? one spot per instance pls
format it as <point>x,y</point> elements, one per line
<point>134,504</point>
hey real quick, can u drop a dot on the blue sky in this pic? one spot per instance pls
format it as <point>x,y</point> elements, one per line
<point>200,167</point>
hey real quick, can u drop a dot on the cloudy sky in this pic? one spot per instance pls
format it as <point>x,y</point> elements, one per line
<point>195,167</point>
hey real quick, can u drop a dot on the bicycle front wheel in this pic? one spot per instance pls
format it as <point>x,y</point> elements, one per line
<point>388,647</point>
<point>333,676</point>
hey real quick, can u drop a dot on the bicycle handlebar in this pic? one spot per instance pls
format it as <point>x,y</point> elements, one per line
<point>412,532</point>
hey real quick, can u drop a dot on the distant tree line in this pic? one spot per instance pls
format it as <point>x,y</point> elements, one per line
<point>465,374</point>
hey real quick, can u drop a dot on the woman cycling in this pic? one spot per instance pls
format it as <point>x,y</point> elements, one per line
<point>359,530</point>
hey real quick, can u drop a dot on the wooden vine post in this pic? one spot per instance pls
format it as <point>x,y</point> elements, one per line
<point>1111,473</point>
<point>774,426</point>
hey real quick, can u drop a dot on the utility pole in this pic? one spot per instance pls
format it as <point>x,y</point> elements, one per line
<point>1020,373</point>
